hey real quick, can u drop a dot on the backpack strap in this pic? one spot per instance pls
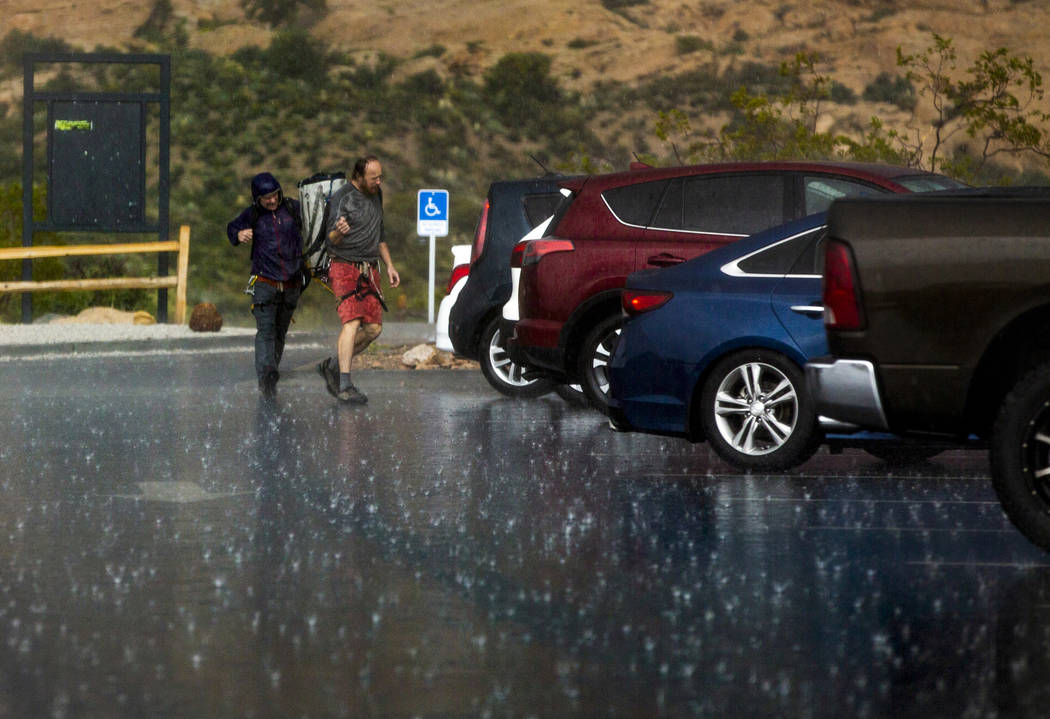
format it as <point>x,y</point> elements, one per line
<point>295,215</point>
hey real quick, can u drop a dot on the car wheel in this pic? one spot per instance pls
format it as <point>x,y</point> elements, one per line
<point>573,394</point>
<point>501,372</point>
<point>1020,456</point>
<point>756,413</point>
<point>592,367</point>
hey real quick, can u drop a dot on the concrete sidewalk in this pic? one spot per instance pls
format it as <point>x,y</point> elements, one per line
<point>30,340</point>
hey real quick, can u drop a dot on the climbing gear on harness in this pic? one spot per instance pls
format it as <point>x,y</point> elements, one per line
<point>281,286</point>
<point>365,286</point>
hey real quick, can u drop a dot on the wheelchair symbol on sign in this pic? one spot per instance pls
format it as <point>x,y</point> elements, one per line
<point>431,210</point>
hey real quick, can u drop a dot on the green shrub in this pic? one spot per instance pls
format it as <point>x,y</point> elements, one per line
<point>842,94</point>
<point>296,54</point>
<point>893,89</point>
<point>278,13</point>
<point>519,84</point>
<point>685,44</point>
<point>426,84</point>
<point>17,43</point>
<point>432,51</point>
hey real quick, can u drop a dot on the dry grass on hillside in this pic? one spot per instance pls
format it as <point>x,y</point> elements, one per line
<point>588,42</point>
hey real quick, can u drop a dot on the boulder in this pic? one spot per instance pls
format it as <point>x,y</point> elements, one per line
<point>107,315</point>
<point>205,317</point>
<point>420,356</point>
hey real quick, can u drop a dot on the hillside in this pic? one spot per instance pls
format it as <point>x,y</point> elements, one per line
<point>621,66</point>
<point>588,41</point>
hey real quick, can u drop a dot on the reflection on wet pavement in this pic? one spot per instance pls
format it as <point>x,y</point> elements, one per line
<point>171,545</point>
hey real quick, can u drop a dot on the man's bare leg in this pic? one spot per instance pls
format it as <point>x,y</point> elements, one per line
<point>366,335</point>
<point>346,345</point>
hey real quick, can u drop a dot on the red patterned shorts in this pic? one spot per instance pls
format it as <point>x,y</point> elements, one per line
<point>363,305</point>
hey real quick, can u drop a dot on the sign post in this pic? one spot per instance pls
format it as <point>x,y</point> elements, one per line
<point>432,222</point>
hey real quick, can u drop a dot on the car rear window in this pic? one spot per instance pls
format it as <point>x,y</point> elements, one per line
<point>540,206</point>
<point>929,183</point>
<point>567,198</point>
<point>795,256</point>
<point>820,191</point>
<point>635,204</point>
<point>723,204</point>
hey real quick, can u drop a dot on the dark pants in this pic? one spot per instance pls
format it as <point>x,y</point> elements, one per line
<point>273,310</point>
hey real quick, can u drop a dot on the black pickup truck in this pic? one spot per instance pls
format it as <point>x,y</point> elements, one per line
<point>937,311</point>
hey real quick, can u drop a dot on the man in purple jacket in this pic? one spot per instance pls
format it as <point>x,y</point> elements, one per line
<point>272,226</point>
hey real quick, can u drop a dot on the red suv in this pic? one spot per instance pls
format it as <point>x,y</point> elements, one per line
<point>611,225</point>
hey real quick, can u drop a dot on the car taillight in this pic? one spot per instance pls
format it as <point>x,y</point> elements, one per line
<point>536,250</point>
<point>517,253</point>
<point>479,233</point>
<point>841,290</point>
<point>458,273</point>
<point>635,302</point>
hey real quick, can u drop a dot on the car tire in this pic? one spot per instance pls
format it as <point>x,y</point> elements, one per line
<point>592,365</point>
<point>1020,456</point>
<point>501,372</point>
<point>756,413</point>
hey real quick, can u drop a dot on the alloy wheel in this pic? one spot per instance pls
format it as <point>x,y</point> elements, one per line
<point>756,408</point>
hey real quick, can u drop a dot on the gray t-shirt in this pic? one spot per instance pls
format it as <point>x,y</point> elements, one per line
<point>365,215</point>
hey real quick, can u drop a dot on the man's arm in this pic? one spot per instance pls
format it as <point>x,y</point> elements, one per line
<point>239,230</point>
<point>391,273</point>
<point>339,230</point>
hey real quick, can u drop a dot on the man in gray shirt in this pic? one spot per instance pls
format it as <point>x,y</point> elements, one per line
<point>356,243</point>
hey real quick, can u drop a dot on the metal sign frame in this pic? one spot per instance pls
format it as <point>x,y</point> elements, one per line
<point>161,98</point>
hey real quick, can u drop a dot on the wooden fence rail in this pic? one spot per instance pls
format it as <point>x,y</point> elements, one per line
<point>178,281</point>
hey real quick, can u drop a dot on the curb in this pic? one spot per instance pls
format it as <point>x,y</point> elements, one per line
<point>394,334</point>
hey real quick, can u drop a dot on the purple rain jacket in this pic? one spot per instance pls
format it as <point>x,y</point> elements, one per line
<point>277,243</point>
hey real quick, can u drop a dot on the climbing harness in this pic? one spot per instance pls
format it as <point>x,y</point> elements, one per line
<point>365,286</point>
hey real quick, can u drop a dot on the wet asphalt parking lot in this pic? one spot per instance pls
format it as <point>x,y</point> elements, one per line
<point>172,545</point>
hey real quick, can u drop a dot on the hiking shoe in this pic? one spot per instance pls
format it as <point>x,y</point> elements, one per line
<point>352,395</point>
<point>331,377</point>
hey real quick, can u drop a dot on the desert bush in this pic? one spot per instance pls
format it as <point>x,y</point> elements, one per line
<point>685,44</point>
<point>519,82</point>
<point>17,43</point>
<point>995,105</point>
<point>892,89</point>
<point>279,13</point>
<point>841,94</point>
<point>579,43</point>
<point>162,27</point>
<point>435,50</point>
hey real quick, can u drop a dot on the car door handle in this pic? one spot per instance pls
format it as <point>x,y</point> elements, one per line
<point>810,310</point>
<point>665,259</point>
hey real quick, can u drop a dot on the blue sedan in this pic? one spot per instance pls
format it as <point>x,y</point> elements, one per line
<point>714,348</point>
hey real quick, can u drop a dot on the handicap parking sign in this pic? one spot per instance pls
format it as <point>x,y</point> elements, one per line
<point>432,213</point>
